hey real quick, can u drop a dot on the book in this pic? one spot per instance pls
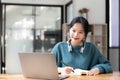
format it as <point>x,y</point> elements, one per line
<point>80,72</point>
<point>74,72</point>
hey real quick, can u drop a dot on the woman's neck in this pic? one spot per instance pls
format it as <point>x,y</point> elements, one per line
<point>76,43</point>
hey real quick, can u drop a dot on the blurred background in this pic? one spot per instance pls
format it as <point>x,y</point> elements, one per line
<point>37,25</point>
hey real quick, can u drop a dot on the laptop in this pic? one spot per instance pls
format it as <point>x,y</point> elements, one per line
<point>40,66</point>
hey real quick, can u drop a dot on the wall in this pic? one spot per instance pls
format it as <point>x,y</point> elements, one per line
<point>96,8</point>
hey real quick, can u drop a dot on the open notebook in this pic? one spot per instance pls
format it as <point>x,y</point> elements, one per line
<point>40,66</point>
<point>74,72</point>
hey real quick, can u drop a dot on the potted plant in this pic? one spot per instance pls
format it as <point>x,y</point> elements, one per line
<point>84,12</point>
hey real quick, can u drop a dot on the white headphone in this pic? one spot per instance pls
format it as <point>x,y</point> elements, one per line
<point>70,46</point>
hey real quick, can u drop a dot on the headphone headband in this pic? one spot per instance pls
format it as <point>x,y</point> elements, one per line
<point>70,46</point>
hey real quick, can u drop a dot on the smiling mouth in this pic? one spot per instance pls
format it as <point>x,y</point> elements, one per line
<point>75,38</point>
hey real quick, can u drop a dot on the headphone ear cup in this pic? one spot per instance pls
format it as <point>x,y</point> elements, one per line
<point>69,45</point>
<point>83,40</point>
<point>68,36</point>
<point>82,49</point>
<point>69,48</point>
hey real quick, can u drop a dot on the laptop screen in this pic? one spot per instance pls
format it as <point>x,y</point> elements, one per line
<point>37,65</point>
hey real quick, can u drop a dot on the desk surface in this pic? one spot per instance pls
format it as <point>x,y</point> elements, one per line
<point>110,76</point>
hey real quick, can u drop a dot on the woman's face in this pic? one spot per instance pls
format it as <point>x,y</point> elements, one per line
<point>77,33</point>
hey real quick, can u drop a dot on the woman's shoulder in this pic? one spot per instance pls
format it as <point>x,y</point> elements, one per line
<point>61,43</point>
<point>90,44</point>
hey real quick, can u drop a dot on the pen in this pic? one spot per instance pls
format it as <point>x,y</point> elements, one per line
<point>66,65</point>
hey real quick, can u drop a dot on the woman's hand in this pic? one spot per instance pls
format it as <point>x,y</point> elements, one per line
<point>68,70</point>
<point>93,72</point>
<point>65,70</point>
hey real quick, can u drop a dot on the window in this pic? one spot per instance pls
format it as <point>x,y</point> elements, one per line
<point>29,29</point>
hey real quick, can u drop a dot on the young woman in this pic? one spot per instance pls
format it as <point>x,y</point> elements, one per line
<point>77,53</point>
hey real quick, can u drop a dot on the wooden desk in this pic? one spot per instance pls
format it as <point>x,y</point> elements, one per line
<point>110,76</point>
